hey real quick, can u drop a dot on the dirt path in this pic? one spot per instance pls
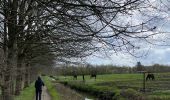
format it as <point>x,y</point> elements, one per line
<point>45,95</point>
<point>67,94</point>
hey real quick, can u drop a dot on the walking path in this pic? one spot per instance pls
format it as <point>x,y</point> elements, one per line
<point>45,95</point>
<point>67,93</point>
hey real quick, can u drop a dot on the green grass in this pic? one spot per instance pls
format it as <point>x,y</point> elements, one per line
<point>27,94</point>
<point>51,88</point>
<point>159,89</point>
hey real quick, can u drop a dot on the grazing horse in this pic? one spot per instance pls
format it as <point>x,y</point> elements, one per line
<point>93,75</point>
<point>75,76</point>
<point>150,76</point>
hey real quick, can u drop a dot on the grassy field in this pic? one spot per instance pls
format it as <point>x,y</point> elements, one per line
<point>124,85</point>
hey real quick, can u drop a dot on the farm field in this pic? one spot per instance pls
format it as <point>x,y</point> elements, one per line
<point>122,86</point>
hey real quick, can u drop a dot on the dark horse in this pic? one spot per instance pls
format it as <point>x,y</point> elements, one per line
<point>93,75</point>
<point>75,76</point>
<point>150,76</point>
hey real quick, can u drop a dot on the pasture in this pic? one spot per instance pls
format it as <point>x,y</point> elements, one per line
<point>124,86</point>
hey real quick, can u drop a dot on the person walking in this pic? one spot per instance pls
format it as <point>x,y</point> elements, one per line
<point>38,88</point>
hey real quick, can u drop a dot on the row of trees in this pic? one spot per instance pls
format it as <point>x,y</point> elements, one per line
<point>30,38</point>
<point>106,69</point>
<point>43,32</point>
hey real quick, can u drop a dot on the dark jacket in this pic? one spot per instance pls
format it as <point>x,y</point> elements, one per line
<point>38,84</point>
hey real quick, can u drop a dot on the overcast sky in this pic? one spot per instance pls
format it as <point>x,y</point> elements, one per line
<point>150,54</point>
<point>157,55</point>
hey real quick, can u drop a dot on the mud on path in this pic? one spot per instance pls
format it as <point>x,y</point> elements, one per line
<point>68,94</point>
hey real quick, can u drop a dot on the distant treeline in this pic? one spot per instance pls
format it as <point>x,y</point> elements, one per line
<point>108,69</point>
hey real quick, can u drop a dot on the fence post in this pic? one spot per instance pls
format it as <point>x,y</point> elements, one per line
<point>144,81</point>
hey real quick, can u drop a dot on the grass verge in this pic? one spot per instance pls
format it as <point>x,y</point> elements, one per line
<point>51,88</point>
<point>27,94</point>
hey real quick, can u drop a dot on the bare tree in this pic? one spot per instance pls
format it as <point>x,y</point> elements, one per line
<point>68,28</point>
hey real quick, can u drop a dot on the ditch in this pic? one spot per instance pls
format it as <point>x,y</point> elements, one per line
<point>66,93</point>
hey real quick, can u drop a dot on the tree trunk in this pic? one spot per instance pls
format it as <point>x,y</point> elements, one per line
<point>23,75</point>
<point>27,76</point>
<point>8,72</point>
<point>9,77</point>
<point>18,85</point>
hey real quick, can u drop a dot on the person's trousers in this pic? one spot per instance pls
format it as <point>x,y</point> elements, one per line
<point>38,94</point>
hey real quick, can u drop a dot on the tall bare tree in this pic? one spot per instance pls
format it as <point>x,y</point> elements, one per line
<point>69,28</point>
